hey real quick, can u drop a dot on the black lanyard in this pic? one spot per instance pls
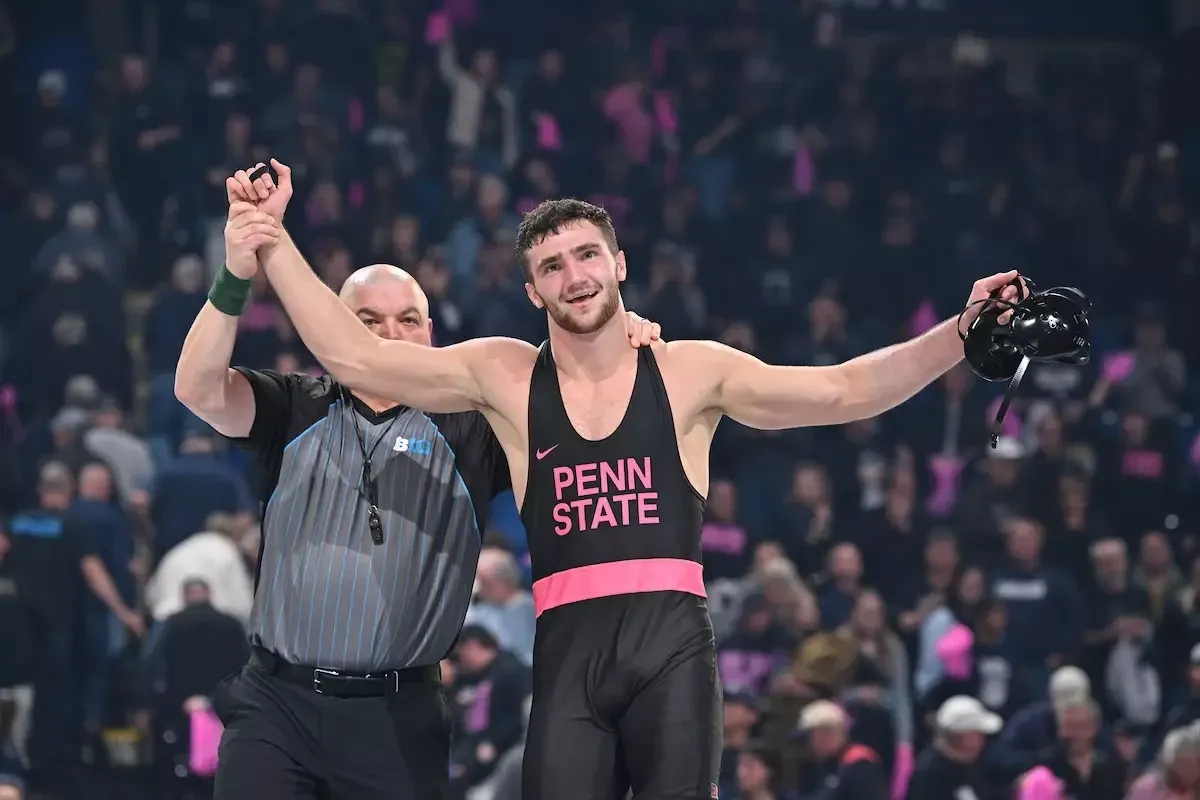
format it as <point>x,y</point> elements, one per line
<point>369,489</point>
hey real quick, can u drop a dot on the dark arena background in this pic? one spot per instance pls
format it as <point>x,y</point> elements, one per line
<point>805,180</point>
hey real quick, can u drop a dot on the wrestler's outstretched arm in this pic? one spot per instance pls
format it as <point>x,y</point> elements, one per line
<point>772,398</point>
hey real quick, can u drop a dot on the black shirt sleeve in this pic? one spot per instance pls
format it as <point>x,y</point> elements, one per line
<point>80,538</point>
<point>501,477</point>
<point>478,456</point>
<point>285,404</point>
<point>273,392</point>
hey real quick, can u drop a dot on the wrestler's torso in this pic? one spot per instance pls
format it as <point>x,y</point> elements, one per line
<point>595,409</point>
<point>607,485</point>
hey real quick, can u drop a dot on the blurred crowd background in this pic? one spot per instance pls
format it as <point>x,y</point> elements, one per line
<point>802,179</point>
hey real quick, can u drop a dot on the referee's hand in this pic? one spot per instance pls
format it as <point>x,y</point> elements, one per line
<point>246,230</point>
<point>642,332</point>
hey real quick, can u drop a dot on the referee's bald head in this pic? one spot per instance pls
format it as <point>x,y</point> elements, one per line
<point>390,302</point>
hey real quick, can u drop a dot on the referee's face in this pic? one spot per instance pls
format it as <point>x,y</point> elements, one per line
<point>393,310</point>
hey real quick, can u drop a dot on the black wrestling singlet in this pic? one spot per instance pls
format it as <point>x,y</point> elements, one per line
<point>626,693</point>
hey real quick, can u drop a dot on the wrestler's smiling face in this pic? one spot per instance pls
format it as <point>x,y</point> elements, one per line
<point>576,277</point>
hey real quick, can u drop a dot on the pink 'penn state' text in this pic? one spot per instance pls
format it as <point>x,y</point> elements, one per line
<point>605,494</point>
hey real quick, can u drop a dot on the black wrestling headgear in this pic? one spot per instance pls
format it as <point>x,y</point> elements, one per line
<point>1044,326</point>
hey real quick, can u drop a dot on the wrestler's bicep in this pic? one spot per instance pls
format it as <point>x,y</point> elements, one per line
<point>760,395</point>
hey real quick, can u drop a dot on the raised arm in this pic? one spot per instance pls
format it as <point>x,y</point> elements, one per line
<point>443,379</point>
<point>439,379</point>
<point>772,398</point>
<point>204,381</point>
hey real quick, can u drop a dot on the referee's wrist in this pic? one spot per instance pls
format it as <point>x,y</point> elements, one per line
<point>229,294</point>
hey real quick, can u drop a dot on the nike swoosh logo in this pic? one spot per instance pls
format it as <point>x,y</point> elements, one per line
<point>543,453</point>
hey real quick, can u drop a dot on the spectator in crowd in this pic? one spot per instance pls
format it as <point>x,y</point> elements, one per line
<point>1156,573</point>
<point>60,555</point>
<point>501,605</point>
<point>187,656</point>
<point>1084,770</point>
<point>1033,730</point>
<point>127,455</point>
<point>758,776</point>
<point>950,767</point>
<point>194,485</point>
<point>491,690</point>
<point>211,556</point>
<point>838,597</point>
<point>1176,772</point>
<point>101,520</point>
<point>1044,608</point>
<point>852,770</point>
<point>19,630</point>
<point>961,605</point>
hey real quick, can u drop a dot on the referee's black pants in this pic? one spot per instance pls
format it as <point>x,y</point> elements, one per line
<point>283,741</point>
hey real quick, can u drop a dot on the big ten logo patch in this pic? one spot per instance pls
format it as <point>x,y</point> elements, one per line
<point>608,494</point>
<point>418,447</point>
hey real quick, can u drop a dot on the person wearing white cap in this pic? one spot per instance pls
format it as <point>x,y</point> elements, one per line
<point>949,768</point>
<point>1084,769</point>
<point>849,771</point>
<point>1034,729</point>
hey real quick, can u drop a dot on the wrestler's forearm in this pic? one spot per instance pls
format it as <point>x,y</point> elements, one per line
<point>770,397</point>
<point>883,379</point>
<point>422,377</point>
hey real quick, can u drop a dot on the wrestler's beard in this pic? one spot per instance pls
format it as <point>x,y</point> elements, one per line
<point>565,319</point>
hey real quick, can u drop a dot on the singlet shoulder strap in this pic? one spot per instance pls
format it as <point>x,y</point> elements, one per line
<point>546,407</point>
<point>650,386</point>
<point>650,377</point>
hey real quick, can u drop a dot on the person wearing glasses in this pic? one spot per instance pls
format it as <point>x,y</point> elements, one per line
<point>372,523</point>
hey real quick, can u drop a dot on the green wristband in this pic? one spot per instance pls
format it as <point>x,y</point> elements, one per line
<point>229,293</point>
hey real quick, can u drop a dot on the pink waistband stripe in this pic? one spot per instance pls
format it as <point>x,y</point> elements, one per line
<point>618,577</point>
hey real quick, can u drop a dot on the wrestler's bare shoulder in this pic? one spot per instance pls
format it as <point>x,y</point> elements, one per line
<point>502,353</point>
<point>690,370</point>
<point>503,367</point>
<point>691,356</point>
<point>689,348</point>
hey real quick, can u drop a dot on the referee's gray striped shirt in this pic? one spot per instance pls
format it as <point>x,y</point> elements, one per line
<point>326,595</point>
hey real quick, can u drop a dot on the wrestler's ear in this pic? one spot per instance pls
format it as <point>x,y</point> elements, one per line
<point>621,268</point>
<point>533,296</point>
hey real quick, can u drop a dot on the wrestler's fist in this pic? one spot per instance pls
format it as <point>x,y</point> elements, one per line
<point>983,289</point>
<point>641,331</point>
<point>271,198</point>
<point>246,230</point>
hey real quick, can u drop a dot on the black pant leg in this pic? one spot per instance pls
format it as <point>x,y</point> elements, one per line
<point>388,748</point>
<point>269,748</point>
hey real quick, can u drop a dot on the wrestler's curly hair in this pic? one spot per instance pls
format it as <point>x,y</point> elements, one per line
<point>551,216</point>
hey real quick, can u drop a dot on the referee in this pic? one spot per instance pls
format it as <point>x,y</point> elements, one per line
<point>372,525</point>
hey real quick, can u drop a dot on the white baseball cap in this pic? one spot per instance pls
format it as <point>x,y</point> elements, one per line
<point>963,714</point>
<point>1069,683</point>
<point>821,714</point>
